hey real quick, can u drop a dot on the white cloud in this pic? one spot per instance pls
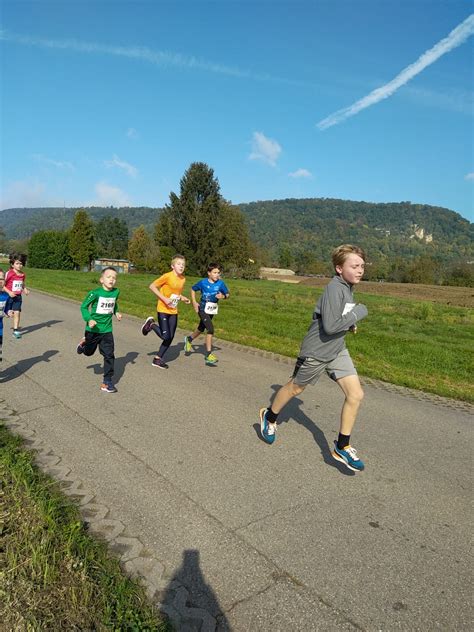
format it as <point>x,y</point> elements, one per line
<point>55,163</point>
<point>457,37</point>
<point>132,133</point>
<point>301,173</point>
<point>469,176</point>
<point>121,164</point>
<point>164,59</point>
<point>265,149</point>
<point>107,195</point>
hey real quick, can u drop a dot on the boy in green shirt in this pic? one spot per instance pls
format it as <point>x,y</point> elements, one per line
<point>97,310</point>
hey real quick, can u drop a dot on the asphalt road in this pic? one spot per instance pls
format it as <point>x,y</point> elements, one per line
<point>258,537</point>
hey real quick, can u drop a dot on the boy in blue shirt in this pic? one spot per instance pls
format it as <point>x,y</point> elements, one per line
<point>212,289</point>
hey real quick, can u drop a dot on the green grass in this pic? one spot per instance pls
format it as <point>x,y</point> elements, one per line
<point>418,344</point>
<point>53,575</point>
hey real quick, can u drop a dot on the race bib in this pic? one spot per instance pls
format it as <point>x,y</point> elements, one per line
<point>105,305</point>
<point>17,285</point>
<point>211,308</point>
<point>174,300</point>
<point>348,307</point>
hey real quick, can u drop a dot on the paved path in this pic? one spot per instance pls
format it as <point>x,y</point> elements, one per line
<point>231,533</point>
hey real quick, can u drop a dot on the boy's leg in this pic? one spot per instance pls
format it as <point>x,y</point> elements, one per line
<point>284,394</point>
<point>188,340</point>
<point>167,324</point>
<point>106,349</point>
<point>354,395</point>
<point>306,371</point>
<point>91,340</point>
<point>343,451</point>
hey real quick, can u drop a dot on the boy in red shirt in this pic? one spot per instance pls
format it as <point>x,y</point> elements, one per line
<point>168,289</point>
<point>15,287</point>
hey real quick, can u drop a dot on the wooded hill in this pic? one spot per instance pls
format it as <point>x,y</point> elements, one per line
<point>386,230</point>
<point>290,229</point>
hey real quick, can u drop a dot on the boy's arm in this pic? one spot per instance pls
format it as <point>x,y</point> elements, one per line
<point>90,298</point>
<point>116,312</point>
<point>194,301</point>
<point>157,293</point>
<point>331,307</point>
<point>223,292</point>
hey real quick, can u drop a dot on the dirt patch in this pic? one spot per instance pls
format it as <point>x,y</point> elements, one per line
<point>447,295</point>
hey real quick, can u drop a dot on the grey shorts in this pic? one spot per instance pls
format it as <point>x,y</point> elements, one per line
<point>309,370</point>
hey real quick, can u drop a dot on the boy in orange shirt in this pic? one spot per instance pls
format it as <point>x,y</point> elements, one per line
<point>168,289</point>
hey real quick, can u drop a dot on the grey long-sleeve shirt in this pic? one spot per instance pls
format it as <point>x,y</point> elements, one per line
<point>334,314</point>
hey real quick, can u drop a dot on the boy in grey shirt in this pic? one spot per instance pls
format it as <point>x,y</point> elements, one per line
<point>324,349</point>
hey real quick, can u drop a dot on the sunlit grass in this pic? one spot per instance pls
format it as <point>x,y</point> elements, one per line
<point>420,344</point>
<point>53,575</point>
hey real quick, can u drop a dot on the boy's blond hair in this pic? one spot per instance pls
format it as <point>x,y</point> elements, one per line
<point>340,254</point>
<point>176,257</point>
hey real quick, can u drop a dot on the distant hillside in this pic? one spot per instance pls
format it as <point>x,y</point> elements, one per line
<point>21,223</point>
<point>312,226</point>
<point>397,229</point>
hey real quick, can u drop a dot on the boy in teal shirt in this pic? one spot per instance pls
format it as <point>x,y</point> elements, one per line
<point>97,310</point>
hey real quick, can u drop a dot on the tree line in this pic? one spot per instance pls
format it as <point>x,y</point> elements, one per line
<point>198,223</point>
<point>296,233</point>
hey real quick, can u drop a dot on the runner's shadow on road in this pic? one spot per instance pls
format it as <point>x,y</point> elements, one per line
<point>31,328</point>
<point>172,354</point>
<point>199,596</point>
<point>293,411</point>
<point>22,366</point>
<point>119,366</point>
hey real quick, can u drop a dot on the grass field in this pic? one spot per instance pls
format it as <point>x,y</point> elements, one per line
<point>53,575</point>
<point>419,344</point>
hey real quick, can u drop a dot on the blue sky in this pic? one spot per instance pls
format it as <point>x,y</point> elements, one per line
<point>108,102</point>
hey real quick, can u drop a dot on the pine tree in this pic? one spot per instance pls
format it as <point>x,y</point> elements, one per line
<point>82,246</point>
<point>112,237</point>
<point>201,225</point>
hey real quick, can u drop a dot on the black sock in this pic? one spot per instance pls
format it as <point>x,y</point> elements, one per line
<point>343,441</point>
<point>271,416</point>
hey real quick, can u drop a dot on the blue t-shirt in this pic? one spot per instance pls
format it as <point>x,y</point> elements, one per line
<point>209,290</point>
<point>3,308</point>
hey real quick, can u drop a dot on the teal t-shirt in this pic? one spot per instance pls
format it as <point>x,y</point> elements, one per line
<point>100,305</point>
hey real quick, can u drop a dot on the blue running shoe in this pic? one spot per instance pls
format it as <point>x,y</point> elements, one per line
<point>349,457</point>
<point>267,430</point>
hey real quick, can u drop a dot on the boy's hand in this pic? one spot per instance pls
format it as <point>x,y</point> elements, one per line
<point>92,323</point>
<point>220,295</point>
<point>185,299</point>
<point>353,328</point>
<point>118,315</point>
<point>26,291</point>
<point>10,313</point>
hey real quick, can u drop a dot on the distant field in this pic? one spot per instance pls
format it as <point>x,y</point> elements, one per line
<point>416,343</point>
<point>448,295</point>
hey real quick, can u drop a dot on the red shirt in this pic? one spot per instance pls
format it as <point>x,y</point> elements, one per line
<point>15,281</point>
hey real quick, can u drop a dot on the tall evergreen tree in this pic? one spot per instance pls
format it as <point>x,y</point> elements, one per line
<point>82,246</point>
<point>201,225</point>
<point>112,237</point>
